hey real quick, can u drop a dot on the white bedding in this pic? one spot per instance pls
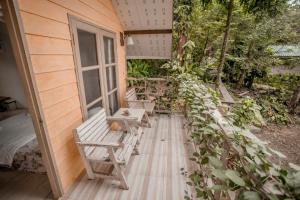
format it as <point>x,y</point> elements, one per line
<point>15,132</point>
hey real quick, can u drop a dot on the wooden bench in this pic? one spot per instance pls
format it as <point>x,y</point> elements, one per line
<point>106,152</point>
<point>134,102</point>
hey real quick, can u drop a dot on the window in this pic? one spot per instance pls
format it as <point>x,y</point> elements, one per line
<point>96,68</point>
<point>111,76</point>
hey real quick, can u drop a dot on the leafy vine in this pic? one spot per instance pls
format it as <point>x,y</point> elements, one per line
<point>232,162</point>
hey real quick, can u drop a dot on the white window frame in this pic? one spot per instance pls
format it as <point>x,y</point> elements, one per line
<point>76,24</point>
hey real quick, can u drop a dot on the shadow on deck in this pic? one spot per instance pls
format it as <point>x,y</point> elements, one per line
<point>154,174</point>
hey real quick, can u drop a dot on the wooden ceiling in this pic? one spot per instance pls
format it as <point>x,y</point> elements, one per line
<point>149,23</point>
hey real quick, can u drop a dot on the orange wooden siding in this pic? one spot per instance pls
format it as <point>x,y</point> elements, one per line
<point>47,31</point>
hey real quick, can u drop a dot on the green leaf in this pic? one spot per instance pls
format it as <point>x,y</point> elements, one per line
<point>279,154</point>
<point>250,195</point>
<point>235,177</point>
<point>189,183</point>
<point>215,162</point>
<point>196,154</point>
<point>204,161</point>
<point>250,150</point>
<point>220,174</point>
<point>218,187</point>
<point>214,126</point>
<point>295,167</point>
<point>272,188</point>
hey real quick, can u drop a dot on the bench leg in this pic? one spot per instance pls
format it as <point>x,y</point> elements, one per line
<point>119,173</point>
<point>136,150</point>
<point>89,170</point>
<point>147,119</point>
<point>87,164</point>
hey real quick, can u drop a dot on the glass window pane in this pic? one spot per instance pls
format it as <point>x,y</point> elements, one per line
<point>111,78</point>
<point>109,50</point>
<point>94,109</point>
<point>113,102</point>
<point>87,48</point>
<point>91,82</point>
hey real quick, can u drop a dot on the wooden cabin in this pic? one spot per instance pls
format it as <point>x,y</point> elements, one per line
<point>71,56</point>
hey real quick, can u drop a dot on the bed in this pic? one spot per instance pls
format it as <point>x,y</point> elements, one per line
<point>18,144</point>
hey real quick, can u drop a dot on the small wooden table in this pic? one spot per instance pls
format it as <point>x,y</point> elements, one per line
<point>139,114</point>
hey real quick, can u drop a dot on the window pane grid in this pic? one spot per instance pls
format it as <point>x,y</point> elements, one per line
<point>87,48</point>
<point>109,65</point>
<point>93,103</point>
<point>109,50</point>
<point>111,78</point>
<point>90,68</point>
<point>94,109</point>
<point>91,83</point>
<point>113,102</point>
<point>97,69</point>
<point>114,90</point>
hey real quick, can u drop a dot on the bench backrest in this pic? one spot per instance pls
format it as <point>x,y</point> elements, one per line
<point>131,96</point>
<point>94,129</point>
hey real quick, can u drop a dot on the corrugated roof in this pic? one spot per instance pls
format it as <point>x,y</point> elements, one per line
<point>147,15</point>
<point>286,50</point>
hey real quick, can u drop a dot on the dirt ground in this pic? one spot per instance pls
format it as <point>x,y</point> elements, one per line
<point>285,140</point>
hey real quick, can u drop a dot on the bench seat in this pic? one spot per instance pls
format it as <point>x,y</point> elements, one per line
<point>129,141</point>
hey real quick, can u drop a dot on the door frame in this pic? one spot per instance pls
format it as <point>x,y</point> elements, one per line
<point>24,67</point>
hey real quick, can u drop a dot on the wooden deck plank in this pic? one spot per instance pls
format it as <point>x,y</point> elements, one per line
<point>154,174</point>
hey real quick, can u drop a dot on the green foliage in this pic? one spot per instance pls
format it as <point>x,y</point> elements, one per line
<point>274,103</point>
<point>251,33</point>
<point>236,162</point>
<point>273,110</point>
<point>146,68</point>
<point>182,20</point>
<point>175,67</point>
<point>281,81</point>
<point>247,112</point>
<point>138,68</point>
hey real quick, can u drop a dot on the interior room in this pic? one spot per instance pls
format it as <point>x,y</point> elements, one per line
<point>20,156</point>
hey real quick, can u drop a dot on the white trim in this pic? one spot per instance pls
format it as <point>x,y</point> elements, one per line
<point>100,34</point>
<point>94,102</point>
<point>88,68</point>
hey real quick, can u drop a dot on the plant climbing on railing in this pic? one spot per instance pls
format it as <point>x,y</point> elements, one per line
<point>232,162</point>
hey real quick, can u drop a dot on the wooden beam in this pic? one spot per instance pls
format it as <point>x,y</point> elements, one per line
<point>160,31</point>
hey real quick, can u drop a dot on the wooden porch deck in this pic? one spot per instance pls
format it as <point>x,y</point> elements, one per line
<point>154,174</point>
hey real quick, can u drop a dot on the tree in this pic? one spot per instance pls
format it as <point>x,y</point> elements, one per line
<point>182,22</point>
<point>256,7</point>
<point>294,100</point>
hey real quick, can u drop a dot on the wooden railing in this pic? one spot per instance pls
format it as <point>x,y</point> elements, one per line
<point>163,90</point>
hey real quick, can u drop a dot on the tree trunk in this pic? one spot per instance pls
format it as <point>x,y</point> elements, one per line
<point>243,75</point>
<point>181,43</point>
<point>241,79</point>
<point>294,100</point>
<point>224,45</point>
<point>204,48</point>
